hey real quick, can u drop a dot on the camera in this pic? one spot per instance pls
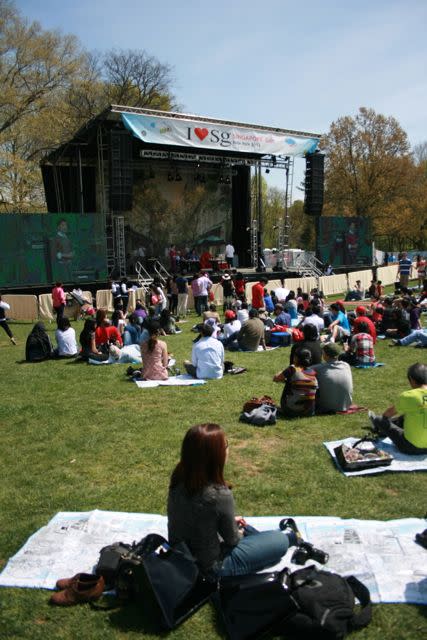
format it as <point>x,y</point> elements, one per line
<point>306,551</point>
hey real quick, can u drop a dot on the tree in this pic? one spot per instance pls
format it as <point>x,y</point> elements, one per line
<point>368,165</point>
<point>136,79</point>
<point>33,64</point>
<point>50,88</point>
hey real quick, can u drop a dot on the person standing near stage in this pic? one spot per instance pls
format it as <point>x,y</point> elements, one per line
<point>3,322</point>
<point>404,269</point>
<point>58,302</point>
<point>204,287</point>
<point>182,286</point>
<point>229,254</point>
<point>258,293</point>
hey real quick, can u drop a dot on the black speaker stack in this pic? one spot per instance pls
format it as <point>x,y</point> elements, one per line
<point>121,171</point>
<point>314,183</point>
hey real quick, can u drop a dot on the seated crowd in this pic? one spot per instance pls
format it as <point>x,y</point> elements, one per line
<point>326,342</point>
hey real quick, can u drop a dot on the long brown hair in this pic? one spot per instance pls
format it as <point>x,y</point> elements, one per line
<point>203,455</point>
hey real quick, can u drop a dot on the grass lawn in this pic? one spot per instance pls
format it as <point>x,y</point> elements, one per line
<point>77,437</point>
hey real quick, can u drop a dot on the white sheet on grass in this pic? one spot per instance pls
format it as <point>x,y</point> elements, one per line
<point>183,380</point>
<point>382,554</point>
<point>401,462</point>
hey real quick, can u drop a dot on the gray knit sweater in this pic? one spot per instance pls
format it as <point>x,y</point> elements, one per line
<point>204,521</point>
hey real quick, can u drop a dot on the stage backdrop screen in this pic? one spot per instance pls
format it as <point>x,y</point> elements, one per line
<point>40,248</point>
<point>344,241</point>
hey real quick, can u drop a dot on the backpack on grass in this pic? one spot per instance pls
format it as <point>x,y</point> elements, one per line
<point>310,603</point>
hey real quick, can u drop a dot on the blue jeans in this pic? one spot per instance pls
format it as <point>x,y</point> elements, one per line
<point>256,551</point>
<point>420,335</point>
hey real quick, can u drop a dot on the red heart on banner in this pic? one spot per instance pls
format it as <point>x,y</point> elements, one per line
<point>201,133</point>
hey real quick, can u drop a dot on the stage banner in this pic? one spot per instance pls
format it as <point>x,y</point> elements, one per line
<point>345,241</point>
<point>221,137</point>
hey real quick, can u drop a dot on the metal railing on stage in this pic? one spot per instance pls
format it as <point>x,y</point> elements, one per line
<point>144,279</point>
<point>161,272</point>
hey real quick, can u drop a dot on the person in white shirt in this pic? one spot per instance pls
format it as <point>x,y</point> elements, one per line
<point>66,340</point>
<point>242,312</point>
<point>207,357</point>
<point>229,254</point>
<point>4,306</point>
<point>314,318</point>
<point>204,287</point>
<point>281,293</point>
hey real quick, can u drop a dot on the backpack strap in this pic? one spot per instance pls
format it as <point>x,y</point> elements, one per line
<point>364,617</point>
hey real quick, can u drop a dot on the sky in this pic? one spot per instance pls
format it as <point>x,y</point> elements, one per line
<point>279,63</point>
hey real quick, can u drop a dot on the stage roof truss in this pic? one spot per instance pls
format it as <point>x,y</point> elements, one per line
<point>277,162</point>
<point>114,108</point>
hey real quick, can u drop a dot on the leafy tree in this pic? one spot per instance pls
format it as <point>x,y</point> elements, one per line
<point>34,63</point>
<point>368,165</point>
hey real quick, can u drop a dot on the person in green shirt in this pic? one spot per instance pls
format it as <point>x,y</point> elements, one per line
<point>406,422</point>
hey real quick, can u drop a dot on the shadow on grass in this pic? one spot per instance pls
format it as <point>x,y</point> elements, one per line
<point>134,616</point>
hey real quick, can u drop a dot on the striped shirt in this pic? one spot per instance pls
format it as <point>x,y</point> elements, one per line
<point>300,389</point>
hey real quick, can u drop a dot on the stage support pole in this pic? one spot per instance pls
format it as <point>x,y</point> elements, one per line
<point>261,264</point>
<point>79,156</point>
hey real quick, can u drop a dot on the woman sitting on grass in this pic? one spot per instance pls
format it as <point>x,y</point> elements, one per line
<point>201,511</point>
<point>105,332</point>
<point>87,342</point>
<point>299,395</point>
<point>65,339</point>
<point>154,355</point>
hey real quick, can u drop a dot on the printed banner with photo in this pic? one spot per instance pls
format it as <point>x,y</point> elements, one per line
<point>206,135</point>
<point>345,241</point>
<point>40,248</point>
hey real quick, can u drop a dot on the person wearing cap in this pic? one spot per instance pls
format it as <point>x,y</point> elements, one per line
<point>242,311</point>
<point>229,291</point>
<point>361,316</point>
<point>231,327</point>
<point>258,293</point>
<point>335,381</point>
<point>360,351</point>
<point>356,293</point>
<point>207,356</point>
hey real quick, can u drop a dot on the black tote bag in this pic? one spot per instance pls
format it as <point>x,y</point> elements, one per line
<point>170,578</point>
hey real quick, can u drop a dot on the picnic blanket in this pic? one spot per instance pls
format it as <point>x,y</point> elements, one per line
<point>401,462</point>
<point>369,366</point>
<point>382,554</point>
<point>183,380</point>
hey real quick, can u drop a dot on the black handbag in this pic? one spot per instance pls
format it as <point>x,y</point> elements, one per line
<point>168,579</point>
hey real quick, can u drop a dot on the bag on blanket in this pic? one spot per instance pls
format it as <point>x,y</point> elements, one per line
<point>151,571</point>
<point>308,603</point>
<point>363,454</point>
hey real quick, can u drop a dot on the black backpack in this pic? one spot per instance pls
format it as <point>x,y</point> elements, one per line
<point>38,347</point>
<point>309,603</point>
<point>326,605</point>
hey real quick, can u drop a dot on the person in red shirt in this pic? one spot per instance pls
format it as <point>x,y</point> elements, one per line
<point>361,317</point>
<point>205,260</point>
<point>106,333</point>
<point>258,293</point>
<point>58,301</point>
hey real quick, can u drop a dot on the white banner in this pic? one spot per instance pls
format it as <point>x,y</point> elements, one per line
<point>221,137</point>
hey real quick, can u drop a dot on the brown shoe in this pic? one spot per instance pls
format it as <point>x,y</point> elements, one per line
<point>79,591</point>
<point>65,583</point>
